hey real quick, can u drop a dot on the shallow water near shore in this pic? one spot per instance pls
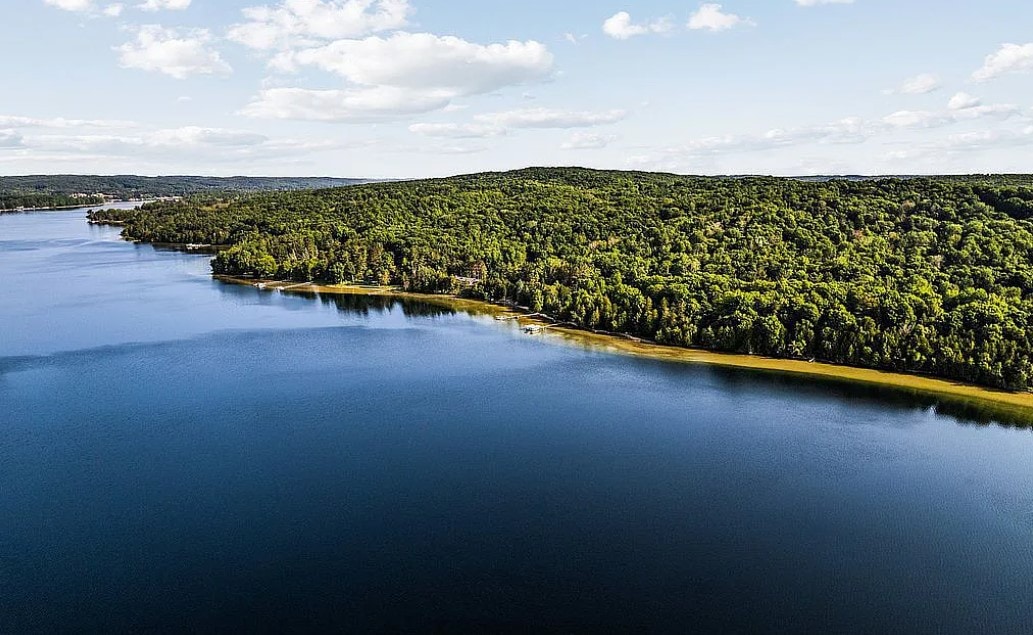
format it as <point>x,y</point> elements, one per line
<point>177,453</point>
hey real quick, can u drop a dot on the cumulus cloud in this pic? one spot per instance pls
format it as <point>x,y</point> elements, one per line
<point>918,85</point>
<point>963,101</point>
<point>167,5</point>
<point>112,10</point>
<point>711,17</point>
<point>406,73</point>
<point>1010,58</point>
<point>71,5</point>
<point>307,22</point>
<point>621,27</point>
<point>548,118</point>
<point>178,54</point>
<point>431,62</point>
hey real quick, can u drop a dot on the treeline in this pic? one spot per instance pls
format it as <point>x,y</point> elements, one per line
<point>915,275</point>
<point>14,201</point>
<point>128,187</point>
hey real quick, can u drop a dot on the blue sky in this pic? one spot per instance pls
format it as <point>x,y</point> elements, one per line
<point>408,88</point>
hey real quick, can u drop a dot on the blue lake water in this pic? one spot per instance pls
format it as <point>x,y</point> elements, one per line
<point>178,454</point>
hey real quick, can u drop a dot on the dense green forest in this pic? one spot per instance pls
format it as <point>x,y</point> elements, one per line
<point>137,187</point>
<point>16,200</point>
<point>918,275</point>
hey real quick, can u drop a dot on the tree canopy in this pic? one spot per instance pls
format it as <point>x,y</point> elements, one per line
<point>926,275</point>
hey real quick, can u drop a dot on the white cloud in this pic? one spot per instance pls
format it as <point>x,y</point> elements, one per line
<point>17,121</point>
<point>167,5</point>
<point>174,53</point>
<point>435,149</point>
<point>963,143</point>
<point>11,139</point>
<point>196,136</point>
<point>71,5</point>
<point>587,141</point>
<point>917,85</point>
<point>963,101</point>
<point>424,61</point>
<point>815,3</point>
<point>547,118</point>
<point>917,119</point>
<point>621,27</point>
<point>456,131</point>
<point>500,123</point>
<point>404,74</point>
<point>1000,111</point>
<point>986,140</point>
<point>306,22</point>
<point>848,130</point>
<point>350,106</point>
<point>710,17</point>
<point>190,142</point>
<point>1010,58</point>
<point>112,10</point>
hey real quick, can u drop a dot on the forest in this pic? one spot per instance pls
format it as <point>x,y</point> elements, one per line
<point>920,275</point>
<point>18,200</point>
<point>127,187</point>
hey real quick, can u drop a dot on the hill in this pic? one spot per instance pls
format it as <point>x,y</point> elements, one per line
<point>918,275</point>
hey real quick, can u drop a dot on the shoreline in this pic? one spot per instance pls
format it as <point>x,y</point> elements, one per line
<point>18,210</point>
<point>1015,403</point>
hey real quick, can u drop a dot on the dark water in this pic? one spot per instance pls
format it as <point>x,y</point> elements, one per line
<point>178,454</point>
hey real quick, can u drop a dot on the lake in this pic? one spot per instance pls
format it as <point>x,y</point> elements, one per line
<point>180,454</point>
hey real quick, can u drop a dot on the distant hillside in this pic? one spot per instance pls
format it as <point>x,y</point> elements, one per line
<point>35,191</point>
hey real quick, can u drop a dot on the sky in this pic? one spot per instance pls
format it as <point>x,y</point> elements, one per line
<point>412,88</point>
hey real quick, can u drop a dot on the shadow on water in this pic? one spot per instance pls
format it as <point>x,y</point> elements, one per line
<point>364,304</point>
<point>964,411</point>
<point>345,303</point>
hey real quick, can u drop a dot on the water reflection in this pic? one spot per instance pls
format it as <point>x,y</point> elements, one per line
<point>364,304</point>
<point>964,411</point>
<point>791,385</point>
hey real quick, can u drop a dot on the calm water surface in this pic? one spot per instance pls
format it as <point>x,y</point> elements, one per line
<point>179,454</point>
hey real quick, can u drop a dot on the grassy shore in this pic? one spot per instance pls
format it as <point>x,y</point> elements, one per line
<point>1013,407</point>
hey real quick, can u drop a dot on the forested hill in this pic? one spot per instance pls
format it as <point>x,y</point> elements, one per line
<point>25,189</point>
<point>920,275</point>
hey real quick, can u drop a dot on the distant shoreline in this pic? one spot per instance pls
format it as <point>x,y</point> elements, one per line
<point>1015,403</point>
<point>17,210</point>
